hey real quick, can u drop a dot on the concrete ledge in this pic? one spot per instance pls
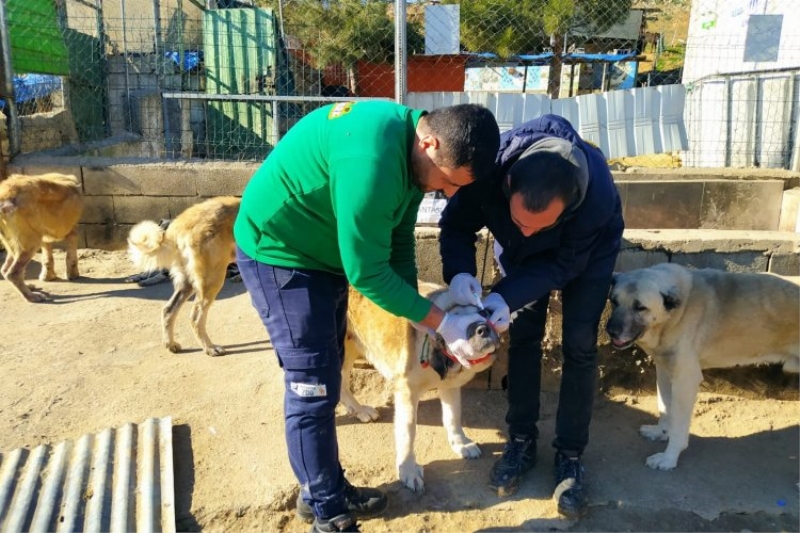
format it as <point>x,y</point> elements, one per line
<point>790,211</point>
<point>704,240</point>
<point>709,203</point>
<point>751,199</point>
<point>791,179</point>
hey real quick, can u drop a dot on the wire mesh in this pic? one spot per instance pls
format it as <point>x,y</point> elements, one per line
<point>226,79</point>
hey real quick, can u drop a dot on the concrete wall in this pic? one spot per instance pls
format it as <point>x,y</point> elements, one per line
<point>45,131</point>
<point>118,195</point>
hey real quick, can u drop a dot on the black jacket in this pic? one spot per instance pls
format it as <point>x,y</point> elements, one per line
<point>585,240</point>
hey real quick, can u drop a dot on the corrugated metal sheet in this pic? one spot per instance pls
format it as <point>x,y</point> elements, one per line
<point>642,121</point>
<point>241,57</point>
<point>744,120</point>
<point>118,480</point>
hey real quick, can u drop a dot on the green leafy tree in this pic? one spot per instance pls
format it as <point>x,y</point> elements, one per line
<point>509,27</point>
<point>345,32</point>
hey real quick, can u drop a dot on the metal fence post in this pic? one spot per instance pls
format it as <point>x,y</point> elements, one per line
<point>160,58</point>
<point>14,129</point>
<point>127,67</point>
<point>400,53</point>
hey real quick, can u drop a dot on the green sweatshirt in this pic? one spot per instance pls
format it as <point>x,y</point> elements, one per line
<point>336,194</point>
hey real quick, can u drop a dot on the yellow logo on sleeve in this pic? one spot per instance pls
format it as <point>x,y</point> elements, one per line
<point>340,109</point>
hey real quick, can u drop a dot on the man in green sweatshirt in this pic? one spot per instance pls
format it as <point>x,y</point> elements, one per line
<point>335,203</point>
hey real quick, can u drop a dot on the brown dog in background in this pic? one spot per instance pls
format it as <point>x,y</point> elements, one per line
<point>36,211</point>
<point>196,248</point>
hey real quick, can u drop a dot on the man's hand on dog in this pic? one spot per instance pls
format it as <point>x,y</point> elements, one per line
<point>453,330</point>
<point>501,314</point>
<point>466,290</point>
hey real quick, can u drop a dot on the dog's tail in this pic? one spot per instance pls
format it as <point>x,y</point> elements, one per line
<point>148,247</point>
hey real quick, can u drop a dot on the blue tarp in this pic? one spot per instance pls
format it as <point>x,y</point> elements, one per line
<point>191,58</point>
<point>32,86</point>
<point>545,58</point>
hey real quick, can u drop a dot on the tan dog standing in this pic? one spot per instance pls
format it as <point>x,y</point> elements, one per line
<point>688,320</point>
<point>414,364</point>
<point>36,211</point>
<point>196,248</point>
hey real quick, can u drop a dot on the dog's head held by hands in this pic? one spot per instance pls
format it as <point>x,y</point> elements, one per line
<point>482,337</point>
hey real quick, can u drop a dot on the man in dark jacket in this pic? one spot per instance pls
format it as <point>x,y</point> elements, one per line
<point>556,218</point>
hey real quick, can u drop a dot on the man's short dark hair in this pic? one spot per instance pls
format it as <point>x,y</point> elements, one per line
<point>541,177</point>
<point>469,137</point>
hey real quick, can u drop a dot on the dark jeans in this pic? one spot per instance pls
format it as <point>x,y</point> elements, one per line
<point>583,300</point>
<point>304,312</point>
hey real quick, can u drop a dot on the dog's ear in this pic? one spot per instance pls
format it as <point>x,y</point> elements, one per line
<point>614,277</point>
<point>8,206</point>
<point>671,299</point>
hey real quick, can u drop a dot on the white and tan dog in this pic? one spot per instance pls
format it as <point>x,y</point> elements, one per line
<point>196,248</point>
<point>688,320</point>
<point>414,364</point>
<point>36,211</point>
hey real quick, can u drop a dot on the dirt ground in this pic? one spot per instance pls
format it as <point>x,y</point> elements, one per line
<point>92,359</point>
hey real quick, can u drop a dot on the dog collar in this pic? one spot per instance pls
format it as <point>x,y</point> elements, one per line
<point>427,356</point>
<point>472,361</point>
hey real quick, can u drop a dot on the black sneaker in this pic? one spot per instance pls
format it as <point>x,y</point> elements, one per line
<point>519,456</point>
<point>343,522</point>
<point>570,491</point>
<point>363,502</point>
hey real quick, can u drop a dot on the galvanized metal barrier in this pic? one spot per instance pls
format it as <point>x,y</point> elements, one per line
<point>118,480</point>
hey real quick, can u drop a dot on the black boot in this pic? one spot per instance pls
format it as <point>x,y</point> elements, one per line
<point>519,456</point>
<point>570,490</point>
<point>363,502</point>
<point>343,522</point>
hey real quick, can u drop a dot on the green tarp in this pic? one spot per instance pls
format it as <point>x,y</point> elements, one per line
<point>37,43</point>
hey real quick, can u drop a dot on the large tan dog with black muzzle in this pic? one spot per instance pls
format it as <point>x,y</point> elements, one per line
<point>688,320</point>
<point>37,211</point>
<point>414,363</point>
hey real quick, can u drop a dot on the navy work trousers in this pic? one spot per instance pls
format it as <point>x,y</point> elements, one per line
<point>305,312</point>
<point>583,300</point>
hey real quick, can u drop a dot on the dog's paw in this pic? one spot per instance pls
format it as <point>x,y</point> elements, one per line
<point>35,295</point>
<point>662,461</point>
<point>47,276</point>
<point>654,432</point>
<point>364,413</point>
<point>135,278</point>
<point>466,448</point>
<point>214,350</point>
<point>412,476</point>
<point>152,280</point>
<point>173,346</point>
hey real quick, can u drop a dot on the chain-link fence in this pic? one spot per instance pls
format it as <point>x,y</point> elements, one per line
<point>225,79</point>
